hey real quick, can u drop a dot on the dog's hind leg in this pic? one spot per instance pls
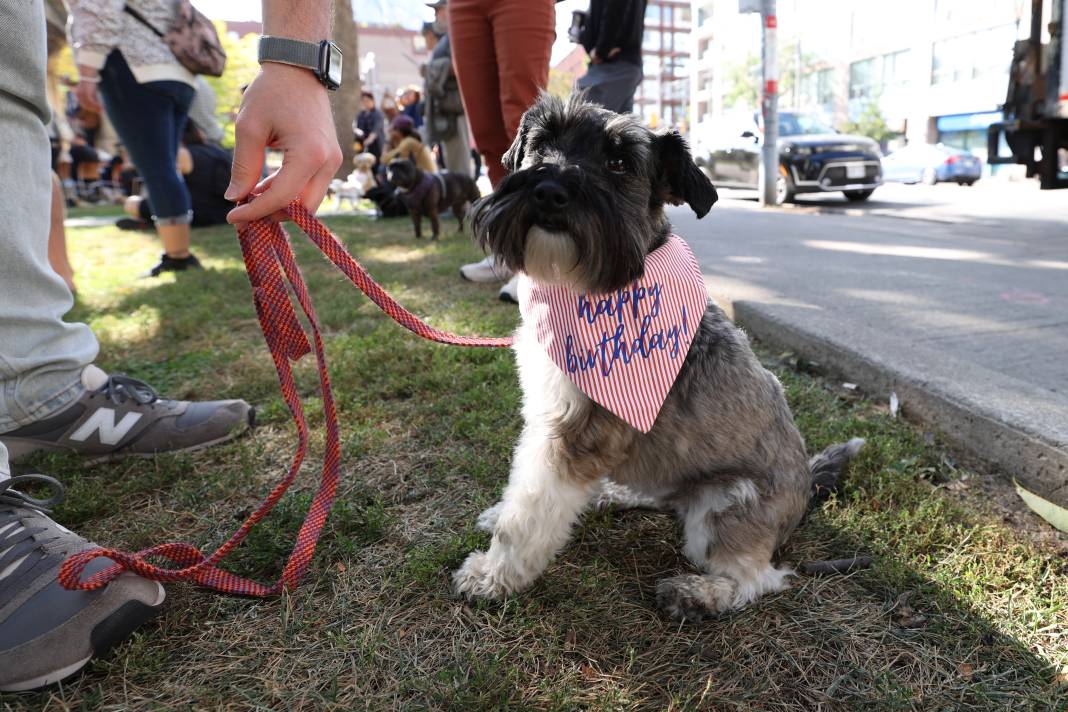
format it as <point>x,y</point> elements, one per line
<point>435,224</point>
<point>730,535</point>
<point>531,523</point>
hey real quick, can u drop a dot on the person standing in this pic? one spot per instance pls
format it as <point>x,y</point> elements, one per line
<point>52,397</point>
<point>501,54</point>
<point>612,37</point>
<point>412,105</point>
<point>446,123</point>
<point>370,122</point>
<point>147,93</point>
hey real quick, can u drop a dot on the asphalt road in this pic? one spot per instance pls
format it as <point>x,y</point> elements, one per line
<point>964,287</point>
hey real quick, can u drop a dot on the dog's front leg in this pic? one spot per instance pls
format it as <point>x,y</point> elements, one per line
<point>417,223</point>
<point>533,521</point>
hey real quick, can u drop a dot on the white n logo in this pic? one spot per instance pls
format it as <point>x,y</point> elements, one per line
<point>103,420</point>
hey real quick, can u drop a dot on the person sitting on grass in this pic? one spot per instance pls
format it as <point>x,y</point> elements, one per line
<point>407,143</point>
<point>205,167</point>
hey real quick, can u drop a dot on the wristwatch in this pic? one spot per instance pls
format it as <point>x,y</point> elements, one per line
<point>323,59</point>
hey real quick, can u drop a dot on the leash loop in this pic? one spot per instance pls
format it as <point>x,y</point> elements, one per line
<point>272,272</point>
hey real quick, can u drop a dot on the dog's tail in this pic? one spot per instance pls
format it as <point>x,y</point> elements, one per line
<point>828,467</point>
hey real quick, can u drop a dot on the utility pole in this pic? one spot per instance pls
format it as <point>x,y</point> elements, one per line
<point>769,104</point>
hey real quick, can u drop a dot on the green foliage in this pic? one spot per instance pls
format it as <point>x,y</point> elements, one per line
<point>743,77</point>
<point>241,68</point>
<point>870,123</point>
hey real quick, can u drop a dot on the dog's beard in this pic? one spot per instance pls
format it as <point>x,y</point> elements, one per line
<point>552,258</point>
<point>592,249</point>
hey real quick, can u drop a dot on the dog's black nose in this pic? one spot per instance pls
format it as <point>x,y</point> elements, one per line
<point>550,195</point>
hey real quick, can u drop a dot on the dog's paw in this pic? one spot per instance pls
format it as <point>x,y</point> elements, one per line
<point>478,578</point>
<point>692,598</point>
<point>488,519</point>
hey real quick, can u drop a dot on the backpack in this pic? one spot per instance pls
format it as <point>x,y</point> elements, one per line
<point>192,39</point>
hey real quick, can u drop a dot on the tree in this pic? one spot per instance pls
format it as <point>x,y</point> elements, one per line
<point>345,101</point>
<point>743,78</point>
<point>241,68</point>
<point>870,123</point>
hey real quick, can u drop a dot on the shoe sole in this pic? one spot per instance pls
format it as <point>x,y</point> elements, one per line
<point>112,630</point>
<point>18,451</point>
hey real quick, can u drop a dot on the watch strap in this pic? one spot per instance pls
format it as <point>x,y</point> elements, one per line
<point>289,51</point>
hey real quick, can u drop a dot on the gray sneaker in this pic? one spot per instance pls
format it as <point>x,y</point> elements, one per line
<point>47,632</point>
<point>119,416</point>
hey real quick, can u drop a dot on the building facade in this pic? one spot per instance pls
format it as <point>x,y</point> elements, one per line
<point>390,58</point>
<point>663,97</point>
<point>935,70</point>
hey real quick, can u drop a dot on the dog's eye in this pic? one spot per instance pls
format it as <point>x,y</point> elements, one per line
<point>615,165</point>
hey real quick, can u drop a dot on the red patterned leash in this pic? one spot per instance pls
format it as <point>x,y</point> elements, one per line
<point>271,265</point>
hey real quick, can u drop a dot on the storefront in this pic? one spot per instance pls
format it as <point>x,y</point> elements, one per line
<point>966,131</point>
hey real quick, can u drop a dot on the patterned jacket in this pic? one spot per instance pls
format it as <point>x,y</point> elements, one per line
<point>100,26</point>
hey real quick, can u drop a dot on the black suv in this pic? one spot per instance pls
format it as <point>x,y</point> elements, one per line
<point>813,158</point>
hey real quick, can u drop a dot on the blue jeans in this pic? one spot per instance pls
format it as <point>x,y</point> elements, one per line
<point>150,119</point>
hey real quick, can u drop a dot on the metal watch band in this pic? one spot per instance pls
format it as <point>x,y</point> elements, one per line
<point>287,51</point>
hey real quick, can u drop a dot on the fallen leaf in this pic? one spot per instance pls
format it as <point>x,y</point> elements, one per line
<point>570,639</point>
<point>341,567</point>
<point>894,404</point>
<point>1052,513</point>
<point>965,669</point>
<point>903,613</point>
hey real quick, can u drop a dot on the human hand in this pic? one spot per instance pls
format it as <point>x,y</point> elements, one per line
<point>594,57</point>
<point>85,91</point>
<point>285,108</point>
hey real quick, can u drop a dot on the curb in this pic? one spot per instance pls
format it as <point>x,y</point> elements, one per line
<point>1010,424</point>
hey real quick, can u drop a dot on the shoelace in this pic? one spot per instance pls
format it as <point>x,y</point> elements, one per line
<point>119,387</point>
<point>271,265</point>
<point>16,498</point>
<point>24,549</point>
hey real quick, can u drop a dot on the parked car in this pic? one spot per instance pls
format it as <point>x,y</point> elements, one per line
<point>813,158</point>
<point>930,164</point>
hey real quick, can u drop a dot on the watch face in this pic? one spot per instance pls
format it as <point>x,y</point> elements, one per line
<point>331,65</point>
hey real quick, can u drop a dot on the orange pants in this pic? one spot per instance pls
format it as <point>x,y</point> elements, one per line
<point>501,51</point>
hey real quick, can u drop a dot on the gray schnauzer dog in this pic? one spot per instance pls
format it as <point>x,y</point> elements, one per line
<point>583,206</point>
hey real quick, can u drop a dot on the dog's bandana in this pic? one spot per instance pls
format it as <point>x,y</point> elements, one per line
<point>623,349</point>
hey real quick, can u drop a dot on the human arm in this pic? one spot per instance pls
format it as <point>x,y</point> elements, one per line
<point>95,29</point>
<point>613,26</point>
<point>185,161</point>
<point>285,108</point>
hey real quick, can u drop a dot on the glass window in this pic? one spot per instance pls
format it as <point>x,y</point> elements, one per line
<point>653,15</point>
<point>861,79</point>
<point>973,56</point>
<point>651,40</point>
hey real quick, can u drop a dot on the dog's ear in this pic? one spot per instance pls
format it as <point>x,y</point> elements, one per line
<point>513,157</point>
<point>684,182</point>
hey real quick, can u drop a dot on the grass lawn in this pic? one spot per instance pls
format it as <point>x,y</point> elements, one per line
<point>959,611</point>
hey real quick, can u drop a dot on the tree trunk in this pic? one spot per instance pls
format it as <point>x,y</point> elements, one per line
<point>346,100</point>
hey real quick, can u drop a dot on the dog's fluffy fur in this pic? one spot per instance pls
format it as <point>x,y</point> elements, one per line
<point>724,453</point>
<point>448,190</point>
<point>357,183</point>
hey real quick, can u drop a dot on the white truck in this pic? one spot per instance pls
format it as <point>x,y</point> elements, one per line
<point>1035,127</point>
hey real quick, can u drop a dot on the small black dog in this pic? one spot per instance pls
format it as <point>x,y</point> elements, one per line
<point>583,210</point>
<point>429,193</point>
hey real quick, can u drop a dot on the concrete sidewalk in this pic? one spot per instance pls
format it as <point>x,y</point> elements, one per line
<point>966,320</point>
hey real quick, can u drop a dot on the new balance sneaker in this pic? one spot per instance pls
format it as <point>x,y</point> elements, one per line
<point>118,415</point>
<point>487,270</point>
<point>174,264</point>
<point>510,290</point>
<point>47,632</point>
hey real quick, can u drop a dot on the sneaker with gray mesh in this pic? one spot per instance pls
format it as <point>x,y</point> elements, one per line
<point>47,632</point>
<point>119,416</point>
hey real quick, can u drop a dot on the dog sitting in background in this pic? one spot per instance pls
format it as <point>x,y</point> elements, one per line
<point>430,193</point>
<point>356,185</point>
<point>583,211</point>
